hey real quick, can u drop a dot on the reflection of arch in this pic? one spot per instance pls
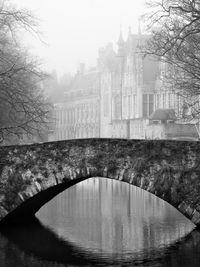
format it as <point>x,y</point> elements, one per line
<point>32,175</point>
<point>58,249</point>
<point>67,253</point>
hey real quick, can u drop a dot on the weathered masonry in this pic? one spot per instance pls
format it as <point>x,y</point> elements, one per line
<point>31,175</point>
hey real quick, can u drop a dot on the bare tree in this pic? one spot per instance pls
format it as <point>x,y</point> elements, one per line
<point>175,30</point>
<point>22,104</point>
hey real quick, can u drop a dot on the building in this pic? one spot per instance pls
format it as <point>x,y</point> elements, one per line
<point>128,85</point>
<point>117,98</point>
<point>133,90</point>
<point>78,115</point>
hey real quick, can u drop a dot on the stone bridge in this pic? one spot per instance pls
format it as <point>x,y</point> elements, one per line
<point>31,175</point>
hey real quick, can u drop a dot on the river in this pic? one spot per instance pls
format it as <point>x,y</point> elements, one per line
<point>102,222</point>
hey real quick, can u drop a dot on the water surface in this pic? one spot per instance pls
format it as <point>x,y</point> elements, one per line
<point>114,220</point>
<point>101,222</point>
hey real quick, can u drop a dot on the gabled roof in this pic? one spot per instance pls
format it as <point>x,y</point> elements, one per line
<point>163,115</point>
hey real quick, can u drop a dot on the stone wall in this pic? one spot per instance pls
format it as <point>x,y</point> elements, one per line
<point>33,174</point>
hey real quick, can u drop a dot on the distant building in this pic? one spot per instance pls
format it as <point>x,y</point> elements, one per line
<point>131,91</point>
<point>130,87</point>
<point>78,115</point>
<point>123,97</point>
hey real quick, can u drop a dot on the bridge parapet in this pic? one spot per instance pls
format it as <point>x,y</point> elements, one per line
<point>31,175</point>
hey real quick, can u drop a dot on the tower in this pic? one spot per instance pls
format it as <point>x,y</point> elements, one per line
<point>120,55</point>
<point>121,44</point>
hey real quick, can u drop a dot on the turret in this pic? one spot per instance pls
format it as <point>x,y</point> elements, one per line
<point>129,32</point>
<point>139,27</point>
<point>130,40</point>
<point>120,44</point>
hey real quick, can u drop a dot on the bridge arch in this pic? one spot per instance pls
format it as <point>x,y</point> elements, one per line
<point>31,175</point>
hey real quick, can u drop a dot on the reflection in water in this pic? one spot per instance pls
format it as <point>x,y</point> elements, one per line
<point>109,216</point>
<point>102,222</point>
<point>34,238</point>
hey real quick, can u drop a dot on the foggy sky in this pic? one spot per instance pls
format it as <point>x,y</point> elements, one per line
<point>74,30</point>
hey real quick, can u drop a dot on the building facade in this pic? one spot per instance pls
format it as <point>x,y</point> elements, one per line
<point>130,84</point>
<point>118,97</point>
<point>78,116</point>
<point>135,89</point>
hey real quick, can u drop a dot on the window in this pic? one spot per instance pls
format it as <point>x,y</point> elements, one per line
<point>105,105</point>
<point>178,105</point>
<point>64,116</point>
<point>133,115</point>
<point>172,100</point>
<point>158,101</point>
<point>129,106</point>
<point>116,107</point>
<point>150,104</point>
<point>164,101</point>
<point>147,105</point>
<point>169,100</point>
<point>125,106</point>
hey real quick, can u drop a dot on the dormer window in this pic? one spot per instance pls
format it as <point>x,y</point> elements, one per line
<point>163,115</point>
<point>156,122</point>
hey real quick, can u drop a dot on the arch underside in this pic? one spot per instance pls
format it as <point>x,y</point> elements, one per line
<point>25,212</point>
